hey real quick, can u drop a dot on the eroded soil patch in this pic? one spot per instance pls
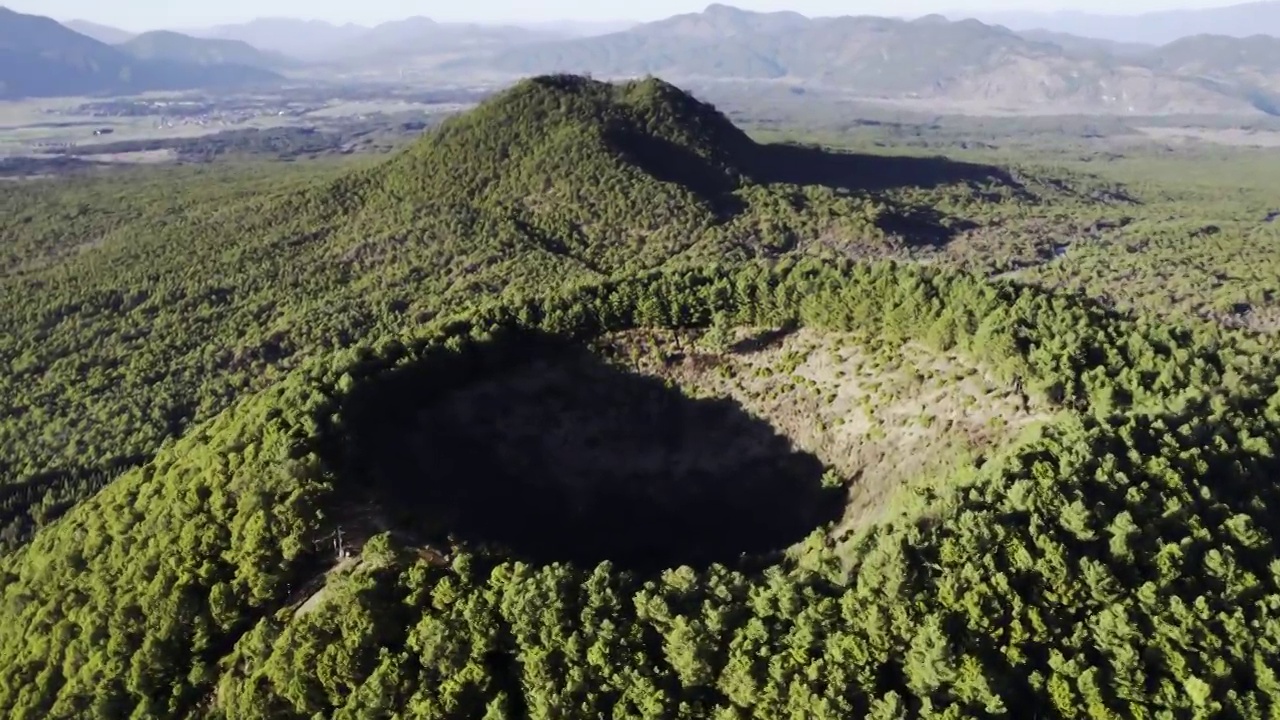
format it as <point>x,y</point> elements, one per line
<point>881,417</point>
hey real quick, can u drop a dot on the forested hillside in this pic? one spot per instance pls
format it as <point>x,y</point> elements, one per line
<point>589,405</point>
<point>1084,572</point>
<point>188,299</point>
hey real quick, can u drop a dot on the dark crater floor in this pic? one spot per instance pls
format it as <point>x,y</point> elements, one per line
<point>546,453</point>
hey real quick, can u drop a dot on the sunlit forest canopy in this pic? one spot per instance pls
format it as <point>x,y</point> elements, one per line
<point>1069,511</point>
<point>590,405</point>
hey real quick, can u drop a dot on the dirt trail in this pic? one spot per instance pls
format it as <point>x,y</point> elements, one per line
<point>319,585</point>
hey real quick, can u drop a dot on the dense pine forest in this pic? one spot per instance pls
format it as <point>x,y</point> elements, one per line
<point>590,404</point>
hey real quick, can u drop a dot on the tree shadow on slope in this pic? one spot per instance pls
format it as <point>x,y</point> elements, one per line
<point>671,162</point>
<point>714,181</point>
<point>807,165</point>
<point>566,458</point>
<point>924,227</point>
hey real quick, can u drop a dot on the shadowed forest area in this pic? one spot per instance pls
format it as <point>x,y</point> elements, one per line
<point>815,165</point>
<point>563,457</point>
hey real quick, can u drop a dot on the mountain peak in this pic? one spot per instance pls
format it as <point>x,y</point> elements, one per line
<point>722,9</point>
<point>101,33</point>
<point>169,46</point>
<point>548,138</point>
<point>415,21</point>
<point>169,35</point>
<point>650,110</point>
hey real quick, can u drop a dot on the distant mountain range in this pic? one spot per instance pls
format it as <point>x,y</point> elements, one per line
<point>1154,28</point>
<point>101,33</point>
<point>176,47</point>
<point>1221,57</point>
<point>967,63</point>
<point>302,39</point>
<point>1087,45</point>
<point>420,36</point>
<point>315,40</point>
<point>40,57</point>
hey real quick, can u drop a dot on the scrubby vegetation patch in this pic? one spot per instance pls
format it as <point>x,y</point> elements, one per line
<point>878,415</point>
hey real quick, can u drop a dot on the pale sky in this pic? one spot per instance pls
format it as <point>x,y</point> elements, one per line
<point>151,14</point>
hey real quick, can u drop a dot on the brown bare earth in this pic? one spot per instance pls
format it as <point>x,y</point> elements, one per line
<point>878,418</point>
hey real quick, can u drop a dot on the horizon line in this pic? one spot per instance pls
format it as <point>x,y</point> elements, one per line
<point>953,15</point>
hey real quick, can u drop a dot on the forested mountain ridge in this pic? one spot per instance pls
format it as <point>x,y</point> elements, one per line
<point>559,180</point>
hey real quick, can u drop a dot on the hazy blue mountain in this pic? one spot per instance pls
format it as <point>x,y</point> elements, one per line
<point>968,63</point>
<point>422,36</point>
<point>1219,55</point>
<point>1251,64</point>
<point>302,39</point>
<point>172,46</point>
<point>1156,28</point>
<point>101,33</point>
<point>319,41</point>
<point>575,28</point>
<point>40,57</point>
<point>1088,45</point>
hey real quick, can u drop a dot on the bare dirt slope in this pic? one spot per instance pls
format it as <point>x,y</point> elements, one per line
<point>878,417</point>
